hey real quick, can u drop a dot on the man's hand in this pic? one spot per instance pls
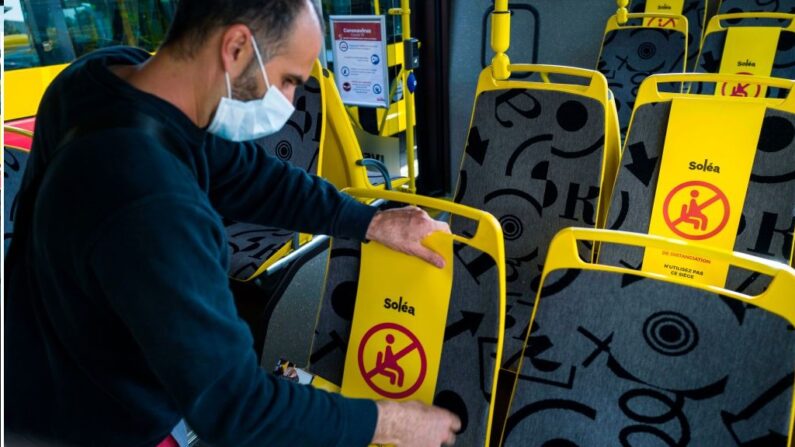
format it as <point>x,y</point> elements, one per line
<point>403,229</point>
<point>414,424</point>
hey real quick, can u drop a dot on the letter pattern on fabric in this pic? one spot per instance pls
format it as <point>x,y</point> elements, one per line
<point>768,217</point>
<point>297,143</point>
<point>630,55</point>
<point>694,11</point>
<point>649,363</point>
<point>466,368</point>
<point>712,52</point>
<point>533,160</point>
<point>14,161</point>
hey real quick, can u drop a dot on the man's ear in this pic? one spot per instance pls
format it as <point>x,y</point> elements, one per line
<point>236,50</point>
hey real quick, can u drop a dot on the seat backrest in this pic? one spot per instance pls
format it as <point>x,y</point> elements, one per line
<point>14,162</point>
<point>632,51</point>
<point>253,248</point>
<point>536,156</point>
<point>694,10</point>
<point>470,353</point>
<point>622,357</point>
<point>341,150</point>
<point>766,218</point>
<point>733,6</point>
<point>733,48</point>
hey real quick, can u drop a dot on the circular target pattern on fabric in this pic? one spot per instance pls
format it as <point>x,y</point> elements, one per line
<point>777,133</point>
<point>343,299</point>
<point>451,401</point>
<point>512,228</point>
<point>647,50</point>
<point>572,116</point>
<point>670,333</point>
<point>284,150</point>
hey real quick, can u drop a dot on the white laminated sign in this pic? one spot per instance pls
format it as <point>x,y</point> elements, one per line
<point>360,60</point>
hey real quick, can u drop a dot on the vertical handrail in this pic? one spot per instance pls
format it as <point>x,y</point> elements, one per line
<point>622,14</point>
<point>501,40</point>
<point>405,22</point>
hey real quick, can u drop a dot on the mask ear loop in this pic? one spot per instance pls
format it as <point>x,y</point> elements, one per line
<point>228,85</point>
<point>261,64</point>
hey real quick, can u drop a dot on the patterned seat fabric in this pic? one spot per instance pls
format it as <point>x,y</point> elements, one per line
<point>630,55</point>
<point>297,143</point>
<point>712,52</point>
<point>533,159</point>
<point>768,215</point>
<point>467,365</point>
<point>14,161</point>
<point>732,6</point>
<point>695,11</point>
<point>644,362</point>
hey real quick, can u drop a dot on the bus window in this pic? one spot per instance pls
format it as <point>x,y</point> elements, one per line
<point>51,32</point>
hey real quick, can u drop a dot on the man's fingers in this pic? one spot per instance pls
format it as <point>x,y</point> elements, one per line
<point>456,423</point>
<point>429,256</point>
<point>450,441</point>
<point>441,226</point>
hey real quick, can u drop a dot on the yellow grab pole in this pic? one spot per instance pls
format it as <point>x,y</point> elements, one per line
<point>500,39</point>
<point>621,13</point>
<point>405,16</point>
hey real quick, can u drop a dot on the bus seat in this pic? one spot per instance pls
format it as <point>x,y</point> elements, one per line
<point>656,361</point>
<point>647,44</point>
<point>734,6</point>
<point>470,354</point>
<point>255,248</point>
<point>14,161</point>
<point>537,156</point>
<point>722,28</point>
<point>767,222</point>
<point>342,161</point>
<point>694,10</point>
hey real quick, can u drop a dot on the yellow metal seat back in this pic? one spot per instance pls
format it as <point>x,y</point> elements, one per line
<point>363,307</point>
<point>625,357</point>
<point>731,157</point>
<point>646,44</point>
<point>759,44</point>
<point>537,157</point>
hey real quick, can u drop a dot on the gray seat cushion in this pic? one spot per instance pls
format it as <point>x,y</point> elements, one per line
<point>652,363</point>
<point>533,159</point>
<point>631,55</point>
<point>768,211</point>
<point>297,143</point>
<point>467,364</point>
<point>14,161</point>
<point>694,11</point>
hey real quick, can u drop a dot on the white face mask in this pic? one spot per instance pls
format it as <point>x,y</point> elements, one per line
<point>238,121</point>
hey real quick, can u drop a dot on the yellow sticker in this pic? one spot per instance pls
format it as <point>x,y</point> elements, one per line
<point>706,165</point>
<point>665,7</point>
<point>748,51</point>
<point>398,323</point>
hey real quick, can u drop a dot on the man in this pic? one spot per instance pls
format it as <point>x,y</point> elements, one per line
<point>119,321</point>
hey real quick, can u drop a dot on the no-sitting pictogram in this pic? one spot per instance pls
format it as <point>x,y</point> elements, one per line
<point>741,89</point>
<point>696,210</point>
<point>392,371</point>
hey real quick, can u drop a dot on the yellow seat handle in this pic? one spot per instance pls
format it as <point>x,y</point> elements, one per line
<point>563,254</point>
<point>650,92</point>
<point>716,23</point>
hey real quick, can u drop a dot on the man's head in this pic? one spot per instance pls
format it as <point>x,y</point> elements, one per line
<point>288,32</point>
